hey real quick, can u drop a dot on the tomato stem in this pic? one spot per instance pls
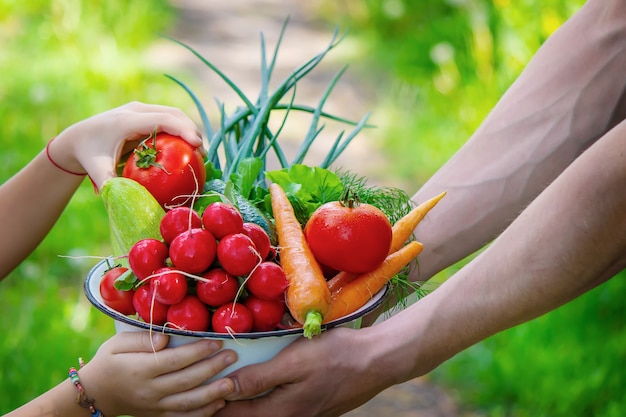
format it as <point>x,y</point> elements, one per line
<point>349,198</point>
<point>146,155</point>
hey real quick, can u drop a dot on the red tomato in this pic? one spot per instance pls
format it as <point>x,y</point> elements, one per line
<point>169,167</point>
<point>189,314</point>
<point>353,238</point>
<point>118,300</point>
<point>232,318</point>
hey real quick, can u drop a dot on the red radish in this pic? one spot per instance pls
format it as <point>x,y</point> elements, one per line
<point>222,219</point>
<point>259,237</point>
<point>148,308</point>
<point>267,281</point>
<point>168,285</point>
<point>237,254</point>
<point>232,318</point>
<point>118,300</point>
<point>272,255</point>
<point>147,255</point>
<point>266,314</point>
<point>193,251</point>
<point>189,314</point>
<point>217,288</point>
<point>177,220</point>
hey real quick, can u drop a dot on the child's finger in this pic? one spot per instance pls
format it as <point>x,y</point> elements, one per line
<point>180,357</point>
<point>133,342</point>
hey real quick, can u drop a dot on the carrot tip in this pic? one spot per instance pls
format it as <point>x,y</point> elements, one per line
<point>312,324</point>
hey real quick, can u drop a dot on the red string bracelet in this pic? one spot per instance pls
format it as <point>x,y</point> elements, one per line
<point>81,174</point>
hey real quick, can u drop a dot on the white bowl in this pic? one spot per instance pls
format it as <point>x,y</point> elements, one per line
<point>251,348</point>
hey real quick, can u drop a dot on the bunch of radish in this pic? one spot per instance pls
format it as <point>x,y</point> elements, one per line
<point>213,272</point>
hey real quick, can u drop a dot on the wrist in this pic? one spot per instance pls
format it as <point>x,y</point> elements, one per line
<point>88,391</point>
<point>60,151</point>
<point>409,344</point>
<point>95,385</point>
<point>388,356</point>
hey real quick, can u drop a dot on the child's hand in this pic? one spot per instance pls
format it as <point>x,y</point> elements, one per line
<point>96,144</point>
<point>134,375</point>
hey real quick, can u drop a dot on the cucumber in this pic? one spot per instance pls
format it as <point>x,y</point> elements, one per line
<point>249,211</point>
<point>134,214</point>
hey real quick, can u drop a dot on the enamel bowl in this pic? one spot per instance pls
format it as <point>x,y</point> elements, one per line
<point>251,348</point>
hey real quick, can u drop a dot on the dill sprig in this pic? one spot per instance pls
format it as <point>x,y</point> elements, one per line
<point>394,202</point>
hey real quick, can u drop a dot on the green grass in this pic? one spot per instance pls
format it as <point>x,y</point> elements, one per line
<point>62,62</point>
<point>568,362</point>
<point>47,325</point>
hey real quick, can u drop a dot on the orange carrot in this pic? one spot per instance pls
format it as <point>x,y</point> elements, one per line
<point>404,227</point>
<point>307,296</point>
<point>401,232</point>
<point>360,290</point>
<point>340,280</point>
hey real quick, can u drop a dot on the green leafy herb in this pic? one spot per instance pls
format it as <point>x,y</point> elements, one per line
<point>246,177</point>
<point>307,187</point>
<point>126,281</point>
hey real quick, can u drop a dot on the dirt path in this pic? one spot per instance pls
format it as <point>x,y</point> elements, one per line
<point>228,34</point>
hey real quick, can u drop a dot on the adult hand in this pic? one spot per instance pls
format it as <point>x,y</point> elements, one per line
<point>325,376</point>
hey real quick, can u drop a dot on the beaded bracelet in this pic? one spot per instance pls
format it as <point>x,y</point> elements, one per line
<point>82,398</point>
<point>81,174</point>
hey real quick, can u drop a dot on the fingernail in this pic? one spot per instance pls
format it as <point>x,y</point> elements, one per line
<point>233,395</point>
<point>214,345</point>
<point>229,359</point>
<point>157,337</point>
<point>226,388</point>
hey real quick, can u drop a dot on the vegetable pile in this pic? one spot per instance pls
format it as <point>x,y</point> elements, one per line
<point>219,242</point>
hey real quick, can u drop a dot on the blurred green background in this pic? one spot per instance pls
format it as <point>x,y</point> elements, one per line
<point>438,66</point>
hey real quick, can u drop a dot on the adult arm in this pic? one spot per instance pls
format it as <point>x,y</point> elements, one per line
<point>571,93</point>
<point>568,240</point>
<point>569,96</point>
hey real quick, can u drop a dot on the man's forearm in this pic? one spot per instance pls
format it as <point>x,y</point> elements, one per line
<point>567,241</point>
<point>571,93</point>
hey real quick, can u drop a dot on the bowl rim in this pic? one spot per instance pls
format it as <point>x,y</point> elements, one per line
<point>373,303</point>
